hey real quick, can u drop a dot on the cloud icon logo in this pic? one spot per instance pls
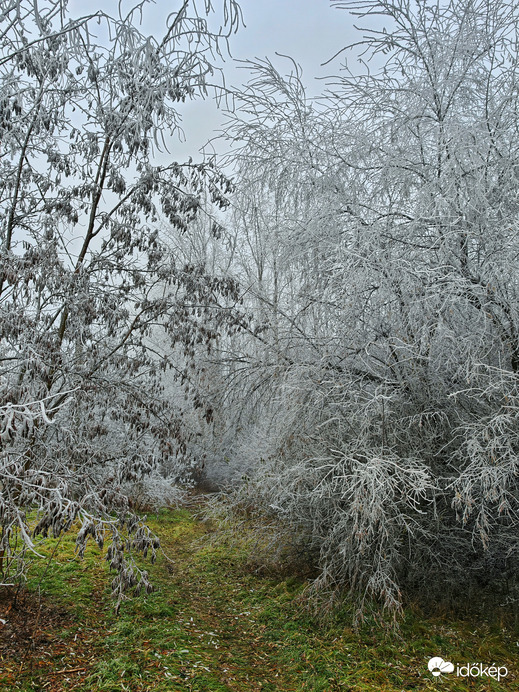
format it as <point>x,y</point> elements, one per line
<point>437,666</point>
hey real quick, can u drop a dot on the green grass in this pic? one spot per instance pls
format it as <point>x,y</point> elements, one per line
<point>214,624</point>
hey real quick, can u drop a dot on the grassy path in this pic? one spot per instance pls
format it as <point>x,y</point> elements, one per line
<point>214,625</point>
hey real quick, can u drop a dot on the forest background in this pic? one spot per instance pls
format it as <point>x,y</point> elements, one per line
<point>324,322</point>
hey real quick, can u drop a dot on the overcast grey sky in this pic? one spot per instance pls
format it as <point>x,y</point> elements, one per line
<point>308,30</point>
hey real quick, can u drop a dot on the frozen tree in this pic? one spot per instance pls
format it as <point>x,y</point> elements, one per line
<point>390,217</point>
<point>86,106</point>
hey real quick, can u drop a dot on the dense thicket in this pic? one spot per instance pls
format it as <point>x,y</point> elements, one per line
<point>378,397</point>
<point>369,388</point>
